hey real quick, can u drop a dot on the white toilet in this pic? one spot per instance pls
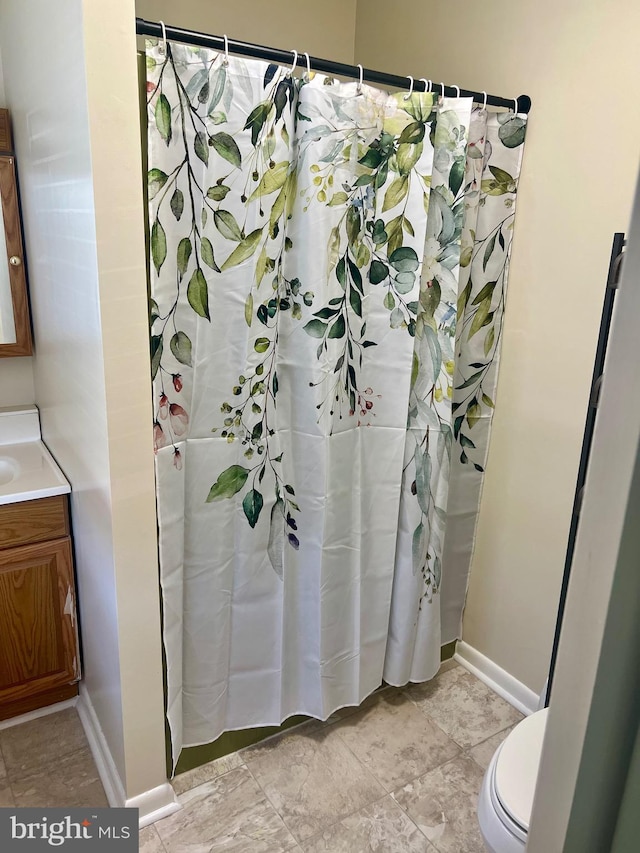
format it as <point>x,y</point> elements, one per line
<point>506,798</point>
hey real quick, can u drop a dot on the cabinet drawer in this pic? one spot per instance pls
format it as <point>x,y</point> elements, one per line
<point>33,521</point>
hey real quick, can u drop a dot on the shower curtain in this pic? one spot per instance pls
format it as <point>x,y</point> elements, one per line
<point>328,276</point>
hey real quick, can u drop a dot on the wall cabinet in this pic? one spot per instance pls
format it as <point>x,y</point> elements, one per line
<point>15,324</point>
<point>39,652</point>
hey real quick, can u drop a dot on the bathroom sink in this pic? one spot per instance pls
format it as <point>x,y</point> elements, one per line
<point>27,469</point>
<point>9,470</point>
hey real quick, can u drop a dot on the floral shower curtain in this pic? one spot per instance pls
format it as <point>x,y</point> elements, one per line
<point>329,270</point>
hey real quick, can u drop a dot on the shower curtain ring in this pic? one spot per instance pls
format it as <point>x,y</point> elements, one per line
<point>484,103</point>
<point>442,91</point>
<point>458,92</point>
<point>427,84</point>
<point>293,64</point>
<point>410,92</point>
<point>308,66</point>
<point>226,49</point>
<point>163,46</point>
<point>515,106</point>
<point>359,89</point>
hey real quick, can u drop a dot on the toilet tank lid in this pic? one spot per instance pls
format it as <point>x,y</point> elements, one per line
<point>517,767</point>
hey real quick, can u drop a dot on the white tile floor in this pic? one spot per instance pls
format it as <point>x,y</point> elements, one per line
<point>400,773</point>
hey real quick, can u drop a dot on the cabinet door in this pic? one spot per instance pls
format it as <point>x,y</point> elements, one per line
<point>38,631</point>
<point>15,325</point>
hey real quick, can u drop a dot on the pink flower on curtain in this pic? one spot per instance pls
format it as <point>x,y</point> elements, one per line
<point>177,382</point>
<point>178,418</point>
<point>159,438</point>
<point>177,459</point>
<point>163,409</point>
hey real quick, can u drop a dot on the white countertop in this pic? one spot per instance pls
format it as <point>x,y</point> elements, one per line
<point>27,469</point>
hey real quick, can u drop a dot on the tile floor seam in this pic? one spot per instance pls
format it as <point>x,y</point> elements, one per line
<point>435,722</point>
<point>213,778</point>
<point>268,798</point>
<point>364,805</point>
<point>411,820</point>
<point>10,786</point>
<point>7,781</point>
<point>163,849</point>
<point>463,747</point>
<point>405,692</point>
<point>365,768</point>
<point>467,753</point>
<point>344,816</point>
<point>449,761</point>
<point>351,814</point>
<point>470,749</point>
<point>213,842</point>
<point>400,806</point>
<point>53,763</point>
<point>71,782</point>
<point>498,732</point>
<point>467,749</point>
<point>430,845</point>
<point>418,775</point>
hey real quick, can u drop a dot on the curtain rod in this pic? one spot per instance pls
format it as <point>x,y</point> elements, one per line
<point>326,66</point>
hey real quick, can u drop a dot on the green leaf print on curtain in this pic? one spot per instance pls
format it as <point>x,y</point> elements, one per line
<point>429,437</point>
<point>326,313</point>
<point>494,158</point>
<point>464,275</point>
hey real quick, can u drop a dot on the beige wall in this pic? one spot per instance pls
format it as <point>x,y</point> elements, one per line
<point>114,127</point>
<point>580,63</point>
<point>326,29</point>
<point>16,381</point>
<point>79,167</point>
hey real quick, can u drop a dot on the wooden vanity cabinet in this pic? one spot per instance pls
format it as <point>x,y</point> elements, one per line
<point>39,653</point>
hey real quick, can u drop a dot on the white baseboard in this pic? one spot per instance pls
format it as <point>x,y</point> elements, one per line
<point>107,770</point>
<point>153,804</point>
<point>499,680</point>
<point>39,712</point>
